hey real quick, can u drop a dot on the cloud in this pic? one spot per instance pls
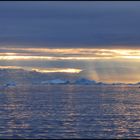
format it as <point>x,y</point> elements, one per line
<point>69,24</point>
<point>111,65</point>
<point>67,54</point>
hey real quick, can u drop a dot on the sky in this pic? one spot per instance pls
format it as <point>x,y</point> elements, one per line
<point>98,40</point>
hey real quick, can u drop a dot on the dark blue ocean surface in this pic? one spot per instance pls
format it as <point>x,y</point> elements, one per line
<point>68,111</point>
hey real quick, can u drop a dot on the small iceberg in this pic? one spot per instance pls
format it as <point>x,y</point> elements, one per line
<point>83,81</point>
<point>10,84</point>
<point>55,81</point>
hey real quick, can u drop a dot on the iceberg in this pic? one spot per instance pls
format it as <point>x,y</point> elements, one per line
<point>10,84</point>
<point>55,81</point>
<point>101,83</point>
<point>83,81</point>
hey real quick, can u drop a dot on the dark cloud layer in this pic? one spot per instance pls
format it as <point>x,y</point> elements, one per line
<point>66,24</point>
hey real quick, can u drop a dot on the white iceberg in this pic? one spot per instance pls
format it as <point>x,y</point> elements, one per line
<point>55,81</point>
<point>83,81</point>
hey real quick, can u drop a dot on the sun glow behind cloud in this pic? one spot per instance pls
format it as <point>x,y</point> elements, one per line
<point>107,65</point>
<point>66,70</point>
<point>67,54</point>
<point>45,70</point>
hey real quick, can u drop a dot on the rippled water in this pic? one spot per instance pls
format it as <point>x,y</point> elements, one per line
<point>70,112</point>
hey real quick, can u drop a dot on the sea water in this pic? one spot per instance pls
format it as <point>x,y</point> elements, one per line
<point>70,111</point>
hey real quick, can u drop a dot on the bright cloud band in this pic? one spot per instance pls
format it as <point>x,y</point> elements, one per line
<point>67,54</point>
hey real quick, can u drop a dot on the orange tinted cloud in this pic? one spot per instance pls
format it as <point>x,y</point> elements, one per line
<point>67,54</point>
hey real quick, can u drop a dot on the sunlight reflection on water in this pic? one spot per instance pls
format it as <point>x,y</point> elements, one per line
<point>70,112</point>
